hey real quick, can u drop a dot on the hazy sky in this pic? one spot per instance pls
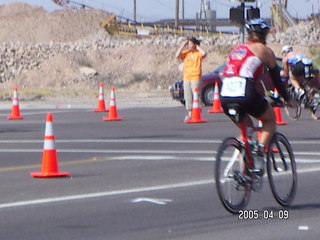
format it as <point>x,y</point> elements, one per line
<point>149,10</point>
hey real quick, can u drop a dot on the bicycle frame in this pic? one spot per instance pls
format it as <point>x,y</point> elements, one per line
<point>246,146</point>
<point>244,165</point>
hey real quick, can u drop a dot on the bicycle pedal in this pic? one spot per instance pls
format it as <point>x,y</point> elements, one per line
<point>241,178</point>
<point>255,171</point>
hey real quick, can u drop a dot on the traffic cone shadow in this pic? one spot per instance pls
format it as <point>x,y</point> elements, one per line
<point>15,111</point>
<point>113,113</point>
<point>101,102</point>
<point>196,111</point>
<point>49,157</point>
<point>216,103</point>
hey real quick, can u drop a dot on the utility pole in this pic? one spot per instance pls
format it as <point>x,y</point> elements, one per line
<point>176,24</point>
<point>242,32</point>
<point>135,11</point>
<point>182,10</point>
<point>281,15</point>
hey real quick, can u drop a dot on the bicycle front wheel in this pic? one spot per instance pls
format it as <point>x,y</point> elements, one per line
<point>293,113</point>
<point>281,168</point>
<point>231,181</point>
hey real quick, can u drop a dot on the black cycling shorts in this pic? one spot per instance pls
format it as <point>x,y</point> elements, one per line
<point>298,69</point>
<point>253,103</point>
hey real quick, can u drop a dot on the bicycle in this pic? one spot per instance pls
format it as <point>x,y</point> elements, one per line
<point>309,100</point>
<point>236,177</point>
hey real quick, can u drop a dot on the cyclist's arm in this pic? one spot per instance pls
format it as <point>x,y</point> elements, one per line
<point>275,75</point>
<point>285,71</point>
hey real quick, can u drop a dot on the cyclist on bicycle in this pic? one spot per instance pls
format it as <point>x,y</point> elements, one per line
<point>295,65</point>
<point>240,77</point>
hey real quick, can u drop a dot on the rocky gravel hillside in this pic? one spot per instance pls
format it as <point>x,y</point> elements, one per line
<point>68,51</point>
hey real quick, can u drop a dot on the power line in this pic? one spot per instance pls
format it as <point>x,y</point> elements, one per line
<point>164,5</point>
<point>220,3</point>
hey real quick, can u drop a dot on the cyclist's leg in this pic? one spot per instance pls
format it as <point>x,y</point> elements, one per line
<point>297,72</point>
<point>295,83</point>
<point>268,126</point>
<point>258,107</point>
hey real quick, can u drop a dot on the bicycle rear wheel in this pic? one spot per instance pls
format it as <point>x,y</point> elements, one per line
<point>232,184</point>
<point>281,168</point>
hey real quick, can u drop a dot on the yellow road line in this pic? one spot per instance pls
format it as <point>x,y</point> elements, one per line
<point>74,162</point>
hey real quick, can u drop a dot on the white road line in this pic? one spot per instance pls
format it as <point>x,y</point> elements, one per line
<point>104,194</point>
<point>160,201</point>
<point>141,151</point>
<point>118,151</point>
<point>134,140</point>
<point>141,140</point>
<point>121,192</point>
<point>191,158</point>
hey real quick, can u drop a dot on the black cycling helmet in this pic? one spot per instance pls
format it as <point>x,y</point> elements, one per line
<point>257,25</point>
<point>194,40</point>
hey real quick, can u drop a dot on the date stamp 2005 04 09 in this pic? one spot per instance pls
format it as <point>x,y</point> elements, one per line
<point>254,214</point>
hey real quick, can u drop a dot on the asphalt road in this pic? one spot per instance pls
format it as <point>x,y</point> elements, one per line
<point>149,176</point>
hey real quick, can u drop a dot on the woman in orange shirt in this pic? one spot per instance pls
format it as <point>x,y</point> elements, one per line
<point>192,56</point>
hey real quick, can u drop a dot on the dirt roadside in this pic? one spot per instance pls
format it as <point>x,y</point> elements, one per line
<point>141,69</point>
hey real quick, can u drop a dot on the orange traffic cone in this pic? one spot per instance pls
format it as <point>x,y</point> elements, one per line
<point>113,113</point>
<point>196,111</point>
<point>277,111</point>
<point>216,104</point>
<point>15,111</point>
<point>259,129</point>
<point>49,157</point>
<point>101,102</point>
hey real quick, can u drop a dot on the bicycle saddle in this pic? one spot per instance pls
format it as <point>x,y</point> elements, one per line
<point>235,112</point>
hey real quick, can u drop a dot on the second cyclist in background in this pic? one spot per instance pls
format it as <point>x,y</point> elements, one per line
<point>297,67</point>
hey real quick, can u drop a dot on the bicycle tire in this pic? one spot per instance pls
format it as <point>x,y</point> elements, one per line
<point>230,160</point>
<point>281,168</point>
<point>293,113</point>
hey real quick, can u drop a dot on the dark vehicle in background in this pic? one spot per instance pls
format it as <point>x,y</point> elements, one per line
<point>209,80</point>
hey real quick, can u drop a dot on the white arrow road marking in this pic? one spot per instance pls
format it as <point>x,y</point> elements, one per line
<point>303,228</point>
<point>160,201</point>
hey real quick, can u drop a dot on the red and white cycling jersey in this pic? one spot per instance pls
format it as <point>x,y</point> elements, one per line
<point>243,63</point>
